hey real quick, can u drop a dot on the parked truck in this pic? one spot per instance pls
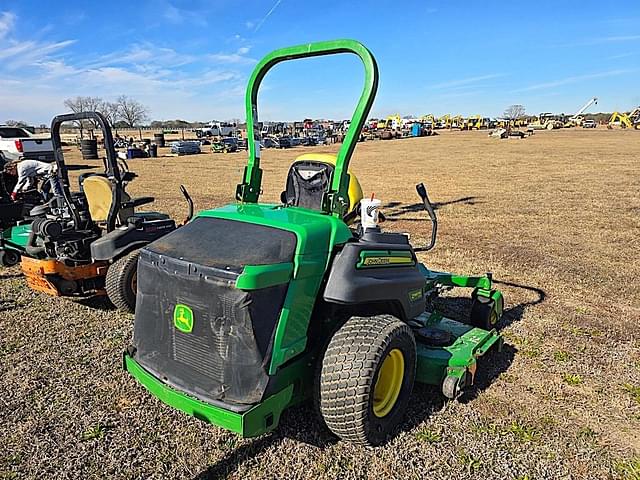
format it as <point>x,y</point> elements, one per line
<point>17,143</point>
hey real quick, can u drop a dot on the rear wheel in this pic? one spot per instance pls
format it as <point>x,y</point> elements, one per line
<point>367,375</point>
<point>122,282</point>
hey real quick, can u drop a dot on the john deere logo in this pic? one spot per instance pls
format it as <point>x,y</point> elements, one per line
<point>183,318</point>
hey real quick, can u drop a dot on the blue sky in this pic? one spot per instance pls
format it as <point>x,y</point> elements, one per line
<point>191,59</point>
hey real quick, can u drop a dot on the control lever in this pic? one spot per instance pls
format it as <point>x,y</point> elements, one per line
<point>189,202</point>
<point>422,193</point>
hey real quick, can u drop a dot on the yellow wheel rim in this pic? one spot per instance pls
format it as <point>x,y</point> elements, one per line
<point>389,383</point>
<point>493,319</point>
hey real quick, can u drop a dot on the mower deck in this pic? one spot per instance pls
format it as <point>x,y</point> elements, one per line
<point>52,277</point>
<point>15,237</point>
<point>436,363</point>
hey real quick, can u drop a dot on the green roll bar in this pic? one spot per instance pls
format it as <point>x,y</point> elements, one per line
<point>336,200</point>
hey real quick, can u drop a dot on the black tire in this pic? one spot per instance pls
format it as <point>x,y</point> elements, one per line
<point>349,375</point>
<point>121,282</point>
<point>9,258</point>
<point>484,313</point>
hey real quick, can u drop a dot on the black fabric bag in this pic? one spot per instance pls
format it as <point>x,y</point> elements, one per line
<point>307,182</point>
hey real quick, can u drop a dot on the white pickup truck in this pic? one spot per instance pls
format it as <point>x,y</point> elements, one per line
<point>17,143</point>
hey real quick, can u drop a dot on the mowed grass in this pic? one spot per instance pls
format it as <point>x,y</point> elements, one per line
<point>555,217</point>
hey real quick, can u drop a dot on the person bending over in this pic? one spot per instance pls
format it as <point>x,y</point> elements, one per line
<point>29,172</point>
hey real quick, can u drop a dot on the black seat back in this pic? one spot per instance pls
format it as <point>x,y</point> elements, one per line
<point>307,182</point>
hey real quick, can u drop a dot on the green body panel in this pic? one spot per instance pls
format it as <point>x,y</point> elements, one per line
<point>256,421</point>
<point>435,363</point>
<point>16,237</point>
<point>336,199</point>
<point>385,258</point>
<point>434,278</point>
<point>254,277</point>
<point>317,235</point>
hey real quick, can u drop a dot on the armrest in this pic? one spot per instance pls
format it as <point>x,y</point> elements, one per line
<point>136,202</point>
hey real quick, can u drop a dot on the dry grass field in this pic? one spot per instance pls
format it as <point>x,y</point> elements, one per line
<point>555,217</point>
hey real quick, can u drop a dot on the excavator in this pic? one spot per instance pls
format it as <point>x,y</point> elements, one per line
<point>432,120</point>
<point>393,122</point>
<point>620,120</point>
<point>391,127</point>
<point>625,120</point>
<point>457,121</point>
<point>470,122</point>
<point>576,119</point>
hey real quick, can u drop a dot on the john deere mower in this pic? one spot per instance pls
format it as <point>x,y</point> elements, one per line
<point>86,243</point>
<point>253,307</point>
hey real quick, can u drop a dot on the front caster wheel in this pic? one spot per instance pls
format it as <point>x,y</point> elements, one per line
<point>9,258</point>
<point>453,385</point>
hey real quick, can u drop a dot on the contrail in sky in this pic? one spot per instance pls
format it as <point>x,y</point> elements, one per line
<point>275,5</point>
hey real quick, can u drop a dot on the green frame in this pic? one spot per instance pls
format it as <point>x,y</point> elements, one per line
<point>336,200</point>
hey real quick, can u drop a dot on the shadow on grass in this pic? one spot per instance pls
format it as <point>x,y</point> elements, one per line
<point>83,167</point>
<point>10,275</point>
<point>398,212</point>
<point>299,423</point>
<point>7,305</point>
<point>514,314</point>
<point>234,459</point>
<point>98,302</point>
<point>460,307</point>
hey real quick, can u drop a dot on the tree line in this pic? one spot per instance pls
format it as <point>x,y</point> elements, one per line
<point>124,112</point>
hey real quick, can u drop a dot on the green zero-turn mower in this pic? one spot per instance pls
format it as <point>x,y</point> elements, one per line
<point>253,307</point>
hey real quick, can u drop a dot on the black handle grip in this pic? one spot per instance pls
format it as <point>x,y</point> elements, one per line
<point>422,192</point>
<point>187,197</point>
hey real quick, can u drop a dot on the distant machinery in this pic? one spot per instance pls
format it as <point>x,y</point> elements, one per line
<point>576,119</point>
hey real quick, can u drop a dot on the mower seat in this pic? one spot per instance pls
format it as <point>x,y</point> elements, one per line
<point>98,191</point>
<point>309,179</point>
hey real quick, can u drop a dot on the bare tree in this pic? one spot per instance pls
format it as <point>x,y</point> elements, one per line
<point>16,123</point>
<point>131,111</point>
<point>110,111</point>
<point>81,105</point>
<point>513,112</point>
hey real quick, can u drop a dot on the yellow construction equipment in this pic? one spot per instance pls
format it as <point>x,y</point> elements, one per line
<point>546,121</point>
<point>625,120</point>
<point>445,121</point>
<point>620,120</point>
<point>469,123</point>
<point>457,121</point>
<point>392,122</point>
<point>432,120</point>
<point>476,122</point>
